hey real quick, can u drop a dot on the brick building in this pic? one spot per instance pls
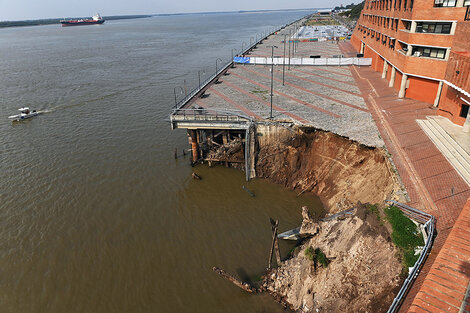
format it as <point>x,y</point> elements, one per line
<point>422,47</point>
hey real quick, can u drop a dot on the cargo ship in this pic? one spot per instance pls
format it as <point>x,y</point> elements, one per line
<point>96,19</point>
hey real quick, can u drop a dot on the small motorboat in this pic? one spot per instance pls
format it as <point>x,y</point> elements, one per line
<point>25,113</point>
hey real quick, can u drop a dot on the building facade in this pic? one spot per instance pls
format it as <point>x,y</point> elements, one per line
<point>422,48</point>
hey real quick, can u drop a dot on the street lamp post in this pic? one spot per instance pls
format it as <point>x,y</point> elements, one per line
<point>174,91</point>
<point>284,61</point>
<point>199,76</point>
<point>272,79</point>
<point>289,48</point>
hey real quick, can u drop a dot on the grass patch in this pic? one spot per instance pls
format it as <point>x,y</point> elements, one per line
<point>406,235</point>
<point>375,210</point>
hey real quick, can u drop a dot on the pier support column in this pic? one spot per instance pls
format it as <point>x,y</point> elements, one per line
<point>401,93</point>
<point>392,77</point>
<point>384,71</point>
<point>194,145</point>
<point>438,95</point>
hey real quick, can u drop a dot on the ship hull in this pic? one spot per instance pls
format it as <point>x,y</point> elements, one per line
<point>80,23</point>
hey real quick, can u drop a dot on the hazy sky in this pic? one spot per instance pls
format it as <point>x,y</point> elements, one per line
<point>34,9</point>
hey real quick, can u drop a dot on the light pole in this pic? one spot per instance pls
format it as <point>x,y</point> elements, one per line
<point>272,79</point>
<point>174,91</point>
<point>284,61</point>
<point>233,62</point>
<point>216,68</point>
<point>289,49</point>
<point>199,76</point>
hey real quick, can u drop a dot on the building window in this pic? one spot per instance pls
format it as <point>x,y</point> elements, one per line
<point>445,3</point>
<point>428,52</point>
<point>438,28</point>
<point>403,47</point>
<point>407,25</point>
<point>464,110</point>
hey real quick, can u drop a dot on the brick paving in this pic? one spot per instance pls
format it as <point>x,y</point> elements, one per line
<point>433,185</point>
<point>444,288</point>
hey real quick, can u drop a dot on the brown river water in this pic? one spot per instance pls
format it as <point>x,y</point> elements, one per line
<point>95,213</point>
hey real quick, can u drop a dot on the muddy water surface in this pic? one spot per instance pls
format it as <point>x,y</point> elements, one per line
<point>95,214</point>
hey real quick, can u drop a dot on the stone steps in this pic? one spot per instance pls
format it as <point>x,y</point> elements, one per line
<point>456,156</point>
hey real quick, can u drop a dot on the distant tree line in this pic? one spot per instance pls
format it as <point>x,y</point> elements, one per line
<point>347,7</point>
<point>354,12</point>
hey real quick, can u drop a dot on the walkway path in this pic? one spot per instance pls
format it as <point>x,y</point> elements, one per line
<point>433,185</point>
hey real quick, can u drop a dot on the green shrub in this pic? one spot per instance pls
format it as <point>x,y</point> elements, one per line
<point>321,258</point>
<point>316,256</point>
<point>310,254</point>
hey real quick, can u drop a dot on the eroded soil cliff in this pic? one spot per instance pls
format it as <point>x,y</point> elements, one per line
<point>341,172</point>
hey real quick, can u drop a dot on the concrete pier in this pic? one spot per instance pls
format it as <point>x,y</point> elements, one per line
<point>321,97</point>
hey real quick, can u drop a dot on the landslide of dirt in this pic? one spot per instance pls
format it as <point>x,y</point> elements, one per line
<point>340,171</point>
<point>363,274</point>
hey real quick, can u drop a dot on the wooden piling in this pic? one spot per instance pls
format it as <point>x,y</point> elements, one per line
<point>274,225</point>
<point>194,145</point>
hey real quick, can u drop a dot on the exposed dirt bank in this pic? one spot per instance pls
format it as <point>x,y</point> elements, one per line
<point>340,171</point>
<point>363,274</point>
<point>364,270</point>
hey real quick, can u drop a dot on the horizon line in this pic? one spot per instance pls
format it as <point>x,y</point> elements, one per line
<point>168,14</point>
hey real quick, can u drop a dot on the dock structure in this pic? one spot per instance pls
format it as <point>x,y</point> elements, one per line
<point>242,100</point>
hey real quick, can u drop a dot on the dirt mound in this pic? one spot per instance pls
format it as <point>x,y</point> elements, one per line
<point>363,274</point>
<point>338,170</point>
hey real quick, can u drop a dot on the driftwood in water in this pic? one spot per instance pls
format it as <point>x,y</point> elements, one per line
<point>196,176</point>
<point>251,193</point>
<point>245,286</point>
<point>224,160</point>
<point>275,244</point>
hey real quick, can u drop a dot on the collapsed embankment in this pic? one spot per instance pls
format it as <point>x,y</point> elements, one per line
<point>364,273</point>
<point>338,170</point>
<point>360,271</point>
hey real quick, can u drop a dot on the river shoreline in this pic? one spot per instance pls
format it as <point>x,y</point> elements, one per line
<point>344,174</point>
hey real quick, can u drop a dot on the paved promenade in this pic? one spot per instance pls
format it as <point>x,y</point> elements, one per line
<point>325,97</point>
<point>432,183</point>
